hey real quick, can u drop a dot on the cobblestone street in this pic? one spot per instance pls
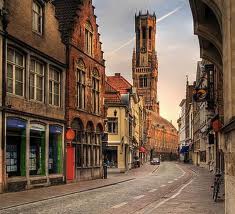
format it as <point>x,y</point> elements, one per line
<point>171,188</point>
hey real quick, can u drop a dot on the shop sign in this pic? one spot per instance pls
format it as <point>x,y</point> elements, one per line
<point>16,123</point>
<point>56,129</point>
<point>37,127</point>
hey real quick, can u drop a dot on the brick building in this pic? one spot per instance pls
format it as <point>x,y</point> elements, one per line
<point>84,87</point>
<point>145,79</point>
<point>32,96</point>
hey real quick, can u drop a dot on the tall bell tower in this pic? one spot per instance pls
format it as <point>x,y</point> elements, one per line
<point>144,61</point>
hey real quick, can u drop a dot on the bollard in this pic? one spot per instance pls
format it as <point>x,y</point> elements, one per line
<point>105,168</point>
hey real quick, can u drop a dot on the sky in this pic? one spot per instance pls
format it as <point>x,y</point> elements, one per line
<point>177,47</point>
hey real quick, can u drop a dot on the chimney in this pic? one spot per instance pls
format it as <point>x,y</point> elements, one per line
<point>117,74</point>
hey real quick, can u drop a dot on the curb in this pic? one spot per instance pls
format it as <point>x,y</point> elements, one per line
<point>67,194</point>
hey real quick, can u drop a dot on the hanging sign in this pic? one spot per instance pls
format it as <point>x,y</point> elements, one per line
<point>217,125</point>
<point>200,95</point>
<point>70,134</point>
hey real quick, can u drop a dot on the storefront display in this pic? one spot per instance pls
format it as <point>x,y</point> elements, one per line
<point>37,150</point>
<point>55,150</point>
<point>15,147</point>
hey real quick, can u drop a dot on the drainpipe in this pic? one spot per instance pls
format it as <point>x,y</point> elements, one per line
<point>5,22</point>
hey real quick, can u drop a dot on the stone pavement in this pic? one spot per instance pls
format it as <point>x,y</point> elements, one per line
<point>192,198</point>
<point>41,194</point>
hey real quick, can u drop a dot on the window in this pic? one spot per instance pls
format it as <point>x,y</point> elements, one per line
<point>95,93</point>
<point>143,81</point>
<point>37,17</point>
<point>55,150</point>
<point>81,80</point>
<point>15,72</point>
<point>144,32</point>
<point>88,39</point>
<point>54,87</point>
<point>113,125</point>
<point>36,80</point>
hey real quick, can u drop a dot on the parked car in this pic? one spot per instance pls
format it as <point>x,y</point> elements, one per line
<point>155,161</point>
<point>136,162</point>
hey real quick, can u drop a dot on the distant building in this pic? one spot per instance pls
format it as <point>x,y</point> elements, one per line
<point>181,124</point>
<point>145,79</point>
<point>125,126</point>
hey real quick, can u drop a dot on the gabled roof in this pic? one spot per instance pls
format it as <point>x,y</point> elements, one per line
<point>66,11</point>
<point>111,95</point>
<point>119,83</point>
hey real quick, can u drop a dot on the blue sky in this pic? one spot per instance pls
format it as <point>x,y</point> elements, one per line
<point>177,47</point>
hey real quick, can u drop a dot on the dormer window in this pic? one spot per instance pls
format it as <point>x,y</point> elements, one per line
<point>88,39</point>
<point>37,17</point>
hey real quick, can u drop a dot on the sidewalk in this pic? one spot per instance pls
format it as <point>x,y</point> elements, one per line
<point>18,198</point>
<point>195,198</point>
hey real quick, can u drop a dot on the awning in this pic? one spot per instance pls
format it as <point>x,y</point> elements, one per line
<point>142,149</point>
<point>184,149</point>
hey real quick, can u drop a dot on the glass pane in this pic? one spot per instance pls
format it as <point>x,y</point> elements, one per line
<point>32,65</point>
<point>39,95</point>
<point>10,55</point>
<point>56,100</point>
<point>31,90</point>
<point>19,88</point>
<point>56,88</point>
<point>10,85</point>
<point>39,82</point>
<point>39,68</point>
<point>9,71</point>
<point>50,86</point>
<point>50,98</point>
<point>39,24</point>
<point>51,74</point>
<point>57,76</point>
<point>19,74</point>
<point>19,59</point>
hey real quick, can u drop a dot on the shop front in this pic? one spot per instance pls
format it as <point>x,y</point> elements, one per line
<point>34,153</point>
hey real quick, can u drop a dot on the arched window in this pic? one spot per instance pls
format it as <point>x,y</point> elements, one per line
<point>87,147</point>
<point>97,146</point>
<point>88,39</point>
<point>78,127</point>
<point>81,84</point>
<point>96,91</point>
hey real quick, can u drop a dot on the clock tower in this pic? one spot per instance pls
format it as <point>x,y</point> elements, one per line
<point>144,61</point>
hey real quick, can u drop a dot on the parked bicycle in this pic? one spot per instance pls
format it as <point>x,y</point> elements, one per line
<point>218,181</point>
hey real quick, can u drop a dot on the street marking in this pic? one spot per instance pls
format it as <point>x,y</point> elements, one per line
<point>153,190</point>
<point>170,182</point>
<point>119,205</point>
<point>139,196</point>
<point>163,185</point>
<point>173,196</point>
<point>176,179</point>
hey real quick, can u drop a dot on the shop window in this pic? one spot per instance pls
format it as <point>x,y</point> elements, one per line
<point>37,150</point>
<point>36,80</point>
<point>87,146</point>
<point>15,72</point>
<point>113,125</point>
<point>81,87</point>
<point>55,150</point>
<point>88,39</point>
<point>95,92</point>
<point>15,147</point>
<point>37,17</point>
<point>54,86</point>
